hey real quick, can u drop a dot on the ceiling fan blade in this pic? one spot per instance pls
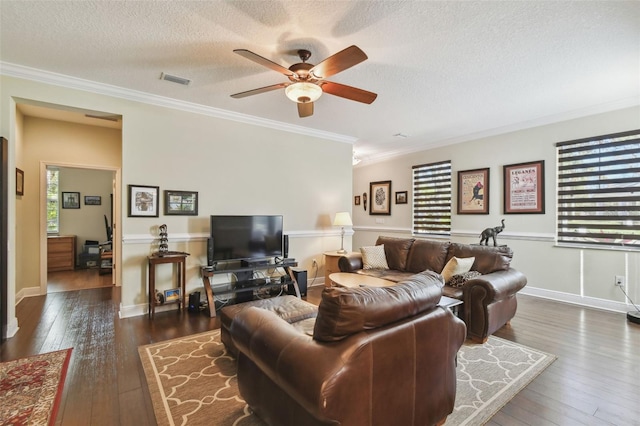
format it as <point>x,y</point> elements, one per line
<point>260,90</point>
<point>264,62</point>
<point>305,109</point>
<point>341,61</point>
<point>348,92</point>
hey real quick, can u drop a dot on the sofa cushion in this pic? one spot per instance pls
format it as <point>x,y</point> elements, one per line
<point>456,266</point>
<point>346,311</point>
<point>427,255</point>
<point>396,250</point>
<point>373,257</point>
<point>488,259</point>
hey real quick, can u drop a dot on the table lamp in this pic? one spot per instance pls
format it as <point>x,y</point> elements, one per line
<point>342,219</point>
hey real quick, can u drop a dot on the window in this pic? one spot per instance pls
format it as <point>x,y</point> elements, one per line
<point>599,190</point>
<point>432,198</point>
<point>53,203</point>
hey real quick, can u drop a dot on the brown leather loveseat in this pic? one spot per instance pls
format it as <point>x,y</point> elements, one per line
<point>489,300</point>
<point>371,356</point>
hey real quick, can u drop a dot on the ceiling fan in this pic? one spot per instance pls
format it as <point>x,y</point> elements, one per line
<point>307,81</point>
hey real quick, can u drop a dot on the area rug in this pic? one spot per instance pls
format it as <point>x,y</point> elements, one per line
<point>192,380</point>
<point>30,388</point>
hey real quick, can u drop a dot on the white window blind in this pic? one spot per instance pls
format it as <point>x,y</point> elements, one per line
<point>599,190</point>
<point>432,198</point>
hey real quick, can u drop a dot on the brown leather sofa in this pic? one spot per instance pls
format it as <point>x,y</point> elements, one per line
<point>489,301</point>
<point>372,356</point>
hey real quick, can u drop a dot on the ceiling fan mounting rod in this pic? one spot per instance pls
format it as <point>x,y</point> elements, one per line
<point>304,55</point>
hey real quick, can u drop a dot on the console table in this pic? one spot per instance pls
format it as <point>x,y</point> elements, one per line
<point>250,284</point>
<point>174,258</point>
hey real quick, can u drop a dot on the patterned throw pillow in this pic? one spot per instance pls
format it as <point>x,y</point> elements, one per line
<point>459,279</point>
<point>373,257</point>
<point>457,266</point>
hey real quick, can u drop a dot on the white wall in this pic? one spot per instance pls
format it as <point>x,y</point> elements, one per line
<point>237,168</point>
<point>577,275</point>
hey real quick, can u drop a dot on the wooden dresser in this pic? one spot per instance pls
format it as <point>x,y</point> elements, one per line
<point>61,253</point>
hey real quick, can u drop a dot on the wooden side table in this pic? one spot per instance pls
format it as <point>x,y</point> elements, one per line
<point>331,259</point>
<point>174,258</point>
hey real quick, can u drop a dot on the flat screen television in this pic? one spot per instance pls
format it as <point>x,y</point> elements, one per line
<point>246,237</point>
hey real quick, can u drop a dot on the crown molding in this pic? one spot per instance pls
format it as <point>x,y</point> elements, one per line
<point>48,77</point>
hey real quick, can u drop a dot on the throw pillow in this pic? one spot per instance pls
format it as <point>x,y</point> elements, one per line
<point>373,257</point>
<point>456,266</point>
<point>459,279</point>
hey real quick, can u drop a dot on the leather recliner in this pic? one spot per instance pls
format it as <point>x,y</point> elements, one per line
<point>374,356</point>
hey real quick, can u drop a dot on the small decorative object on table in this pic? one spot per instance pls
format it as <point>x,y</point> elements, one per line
<point>164,246</point>
<point>491,233</point>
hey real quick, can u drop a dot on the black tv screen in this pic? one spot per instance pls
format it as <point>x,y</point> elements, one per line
<point>246,237</point>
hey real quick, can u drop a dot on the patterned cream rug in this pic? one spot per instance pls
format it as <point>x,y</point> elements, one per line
<point>192,380</point>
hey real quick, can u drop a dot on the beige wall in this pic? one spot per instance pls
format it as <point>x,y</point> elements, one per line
<point>583,276</point>
<point>237,168</point>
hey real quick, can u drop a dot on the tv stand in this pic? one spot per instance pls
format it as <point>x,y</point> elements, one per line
<point>247,283</point>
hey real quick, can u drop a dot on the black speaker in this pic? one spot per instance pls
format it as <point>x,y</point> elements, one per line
<point>285,247</point>
<point>194,302</point>
<point>210,251</point>
<point>301,278</point>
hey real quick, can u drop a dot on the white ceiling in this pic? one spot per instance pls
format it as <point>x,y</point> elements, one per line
<point>444,71</point>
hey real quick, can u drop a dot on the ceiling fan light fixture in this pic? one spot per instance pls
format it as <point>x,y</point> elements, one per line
<point>303,92</point>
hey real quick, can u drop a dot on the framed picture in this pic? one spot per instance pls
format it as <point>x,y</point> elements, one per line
<point>92,200</point>
<point>401,197</point>
<point>172,295</point>
<point>380,197</point>
<point>473,191</point>
<point>70,200</point>
<point>356,200</point>
<point>19,182</point>
<point>143,201</point>
<point>184,203</point>
<point>524,187</point>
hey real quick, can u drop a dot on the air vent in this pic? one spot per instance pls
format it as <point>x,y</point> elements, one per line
<point>115,118</point>
<point>175,79</point>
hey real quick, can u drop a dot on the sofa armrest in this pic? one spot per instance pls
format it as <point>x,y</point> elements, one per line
<point>284,354</point>
<point>497,285</point>
<point>350,262</point>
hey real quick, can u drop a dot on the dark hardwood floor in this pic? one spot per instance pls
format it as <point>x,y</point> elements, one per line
<point>78,279</point>
<point>594,381</point>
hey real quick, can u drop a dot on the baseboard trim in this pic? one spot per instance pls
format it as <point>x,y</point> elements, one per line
<point>575,299</point>
<point>138,310</point>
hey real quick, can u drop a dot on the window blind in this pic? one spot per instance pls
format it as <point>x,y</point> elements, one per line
<point>599,190</point>
<point>432,198</point>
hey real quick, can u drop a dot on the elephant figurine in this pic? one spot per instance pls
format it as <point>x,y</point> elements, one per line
<point>491,233</point>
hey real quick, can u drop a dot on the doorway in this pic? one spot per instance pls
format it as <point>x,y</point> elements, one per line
<point>82,142</point>
<point>79,235</point>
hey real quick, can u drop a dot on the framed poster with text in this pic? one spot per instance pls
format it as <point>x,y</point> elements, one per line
<point>473,191</point>
<point>524,187</point>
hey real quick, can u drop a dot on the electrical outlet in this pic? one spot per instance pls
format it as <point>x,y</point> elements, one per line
<point>619,280</point>
<point>315,263</point>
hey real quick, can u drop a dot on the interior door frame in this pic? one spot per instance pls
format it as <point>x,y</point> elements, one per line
<point>116,276</point>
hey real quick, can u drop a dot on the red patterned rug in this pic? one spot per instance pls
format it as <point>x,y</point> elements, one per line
<point>30,388</point>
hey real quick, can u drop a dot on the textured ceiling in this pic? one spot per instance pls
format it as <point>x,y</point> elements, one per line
<point>444,71</point>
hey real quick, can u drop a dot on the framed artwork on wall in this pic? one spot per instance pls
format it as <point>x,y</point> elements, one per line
<point>92,200</point>
<point>401,197</point>
<point>380,198</point>
<point>19,182</point>
<point>473,191</point>
<point>524,187</point>
<point>143,201</point>
<point>182,203</point>
<point>70,200</point>
<point>356,200</point>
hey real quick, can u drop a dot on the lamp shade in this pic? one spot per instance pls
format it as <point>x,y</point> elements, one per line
<point>303,92</point>
<point>342,219</point>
